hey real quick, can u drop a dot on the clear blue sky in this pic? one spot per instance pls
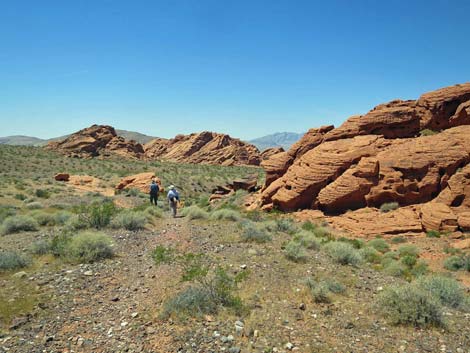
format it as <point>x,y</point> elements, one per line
<point>248,68</point>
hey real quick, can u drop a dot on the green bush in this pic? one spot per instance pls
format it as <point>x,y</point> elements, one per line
<point>454,263</point>
<point>322,232</point>
<point>421,268</point>
<point>428,132</point>
<point>409,304</point>
<point>10,260</point>
<point>285,225</point>
<point>194,300</point>
<point>433,234</point>
<point>321,290</point>
<point>371,255</point>
<point>40,247</point>
<point>194,212</point>
<point>88,247</point>
<point>309,226</point>
<point>295,251</point>
<point>226,214</point>
<point>447,289</point>
<point>307,240</point>
<point>15,224</point>
<point>253,233</point>
<point>395,268</point>
<point>130,220</point>
<point>43,218</point>
<point>75,222</point>
<point>5,212</point>
<point>343,253</point>
<point>409,261</point>
<point>44,194</point>
<point>379,245</point>
<point>162,255</point>
<point>398,239</point>
<point>34,205</point>
<point>389,206</point>
<point>408,249</point>
<point>153,212</point>
<point>98,214</point>
<point>62,217</point>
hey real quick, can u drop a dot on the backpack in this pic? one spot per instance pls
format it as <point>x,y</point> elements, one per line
<point>154,188</point>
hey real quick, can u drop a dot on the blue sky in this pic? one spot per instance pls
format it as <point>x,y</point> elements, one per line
<point>247,68</point>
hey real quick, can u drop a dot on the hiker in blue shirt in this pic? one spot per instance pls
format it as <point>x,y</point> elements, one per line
<point>154,189</point>
<point>173,199</point>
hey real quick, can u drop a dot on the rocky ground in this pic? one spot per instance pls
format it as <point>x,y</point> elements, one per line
<point>114,306</point>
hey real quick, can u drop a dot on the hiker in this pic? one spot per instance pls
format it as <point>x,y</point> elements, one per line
<point>173,199</point>
<point>154,189</point>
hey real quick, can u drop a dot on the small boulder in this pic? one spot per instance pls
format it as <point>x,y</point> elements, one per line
<point>62,177</point>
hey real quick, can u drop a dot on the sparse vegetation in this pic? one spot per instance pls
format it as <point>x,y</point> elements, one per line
<point>379,245</point>
<point>226,214</point>
<point>295,251</point>
<point>130,220</point>
<point>343,253</point>
<point>15,224</point>
<point>447,289</point>
<point>428,132</point>
<point>88,247</point>
<point>307,240</point>
<point>254,233</point>
<point>412,305</point>
<point>389,206</point>
<point>10,260</point>
<point>194,212</point>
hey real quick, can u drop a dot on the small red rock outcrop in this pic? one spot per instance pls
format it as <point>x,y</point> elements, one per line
<point>205,147</point>
<point>62,177</point>
<point>267,153</point>
<point>97,140</point>
<point>139,181</point>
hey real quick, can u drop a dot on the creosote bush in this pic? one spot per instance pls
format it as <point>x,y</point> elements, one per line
<point>412,305</point>
<point>10,260</point>
<point>194,212</point>
<point>343,253</point>
<point>15,224</point>
<point>254,233</point>
<point>88,247</point>
<point>295,251</point>
<point>379,245</point>
<point>226,214</point>
<point>389,206</point>
<point>130,220</point>
<point>447,289</point>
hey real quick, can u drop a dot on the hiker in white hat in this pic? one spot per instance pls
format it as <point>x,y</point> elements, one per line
<point>173,199</point>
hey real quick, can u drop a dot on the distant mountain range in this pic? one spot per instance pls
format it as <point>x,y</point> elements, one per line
<point>279,139</point>
<point>20,140</point>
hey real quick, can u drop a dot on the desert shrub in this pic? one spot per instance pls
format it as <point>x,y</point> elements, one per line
<point>285,225</point>
<point>255,215</point>
<point>20,197</point>
<point>15,224</point>
<point>433,234</point>
<point>44,218</point>
<point>253,233</point>
<point>371,255</point>
<point>194,212</point>
<point>427,132</point>
<point>307,240</point>
<point>34,205</point>
<point>42,193</point>
<point>309,226</point>
<point>5,212</point>
<point>59,244</point>
<point>130,220</point>
<point>321,290</point>
<point>75,222</point>
<point>356,243</point>
<point>205,297</point>
<point>99,214</point>
<point>454,263</point>
<point>40,247</point>
<point>398,239</point>
<point>389,256</point>
<point>395,268</point>
<point>62,217</point>
<point>88,247</point>
<point>162,254</point>
<point>408,260</point>
<point>408,249</point>
<point>10,260</point>
<point>153,212</point>
<point>343,253</point>
<point>447,289</point>
<point>295,251</point>
<point>389,206</point>
<point>322,232</point>
<point>410,304</point>
<point>194,300</point>
<point>226,214</point>
<point>420,268</point>
<point>379,245</point>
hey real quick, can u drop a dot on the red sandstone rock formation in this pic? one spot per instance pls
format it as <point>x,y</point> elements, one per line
<point>205,147</point>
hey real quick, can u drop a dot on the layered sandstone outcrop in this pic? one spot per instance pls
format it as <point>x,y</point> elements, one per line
<point>140,182</point>
<point>205,147</point>
<point>380,157</point>
<point>97,140</point>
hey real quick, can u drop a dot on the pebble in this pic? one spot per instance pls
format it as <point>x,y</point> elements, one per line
<point>289,346</point>
<point>88,273</point>
<point>134,315</point>
<point>20,274</point>
<point>234,350</point>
